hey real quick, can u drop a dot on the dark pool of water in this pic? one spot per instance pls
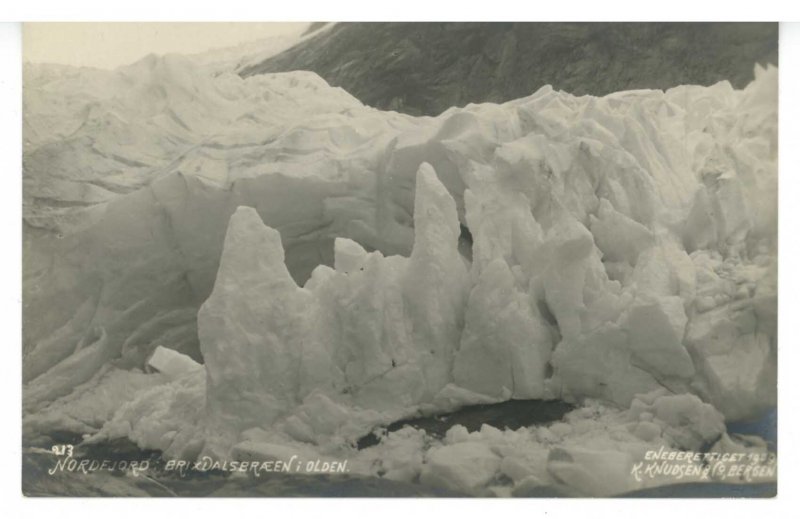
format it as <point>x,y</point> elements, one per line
<point>512,414</point>
<point>765,426</point>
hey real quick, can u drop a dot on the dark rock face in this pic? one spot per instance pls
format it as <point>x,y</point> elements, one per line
<point>425,68</point>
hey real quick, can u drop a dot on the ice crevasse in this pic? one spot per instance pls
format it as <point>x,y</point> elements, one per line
<point>589,249</point>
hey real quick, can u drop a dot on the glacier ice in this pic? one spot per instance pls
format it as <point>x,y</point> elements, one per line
<point>171,363</point>
<point>336,268</point>
<point>383,333</point>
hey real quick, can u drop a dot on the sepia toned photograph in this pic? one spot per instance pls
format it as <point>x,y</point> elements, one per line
<point>400,259</point>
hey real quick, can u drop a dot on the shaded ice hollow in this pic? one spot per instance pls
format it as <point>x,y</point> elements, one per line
<point>312,253</point>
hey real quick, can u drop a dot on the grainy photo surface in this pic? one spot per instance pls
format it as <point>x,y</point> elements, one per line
<point>400,259</point>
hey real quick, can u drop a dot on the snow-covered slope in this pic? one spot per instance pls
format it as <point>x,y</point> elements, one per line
<point>238,57</point>
<point>352,267</point>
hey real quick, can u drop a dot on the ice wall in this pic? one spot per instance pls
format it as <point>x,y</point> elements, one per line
<point>619,245</point>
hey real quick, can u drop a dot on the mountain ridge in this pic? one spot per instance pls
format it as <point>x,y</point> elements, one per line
<point>410,67</point>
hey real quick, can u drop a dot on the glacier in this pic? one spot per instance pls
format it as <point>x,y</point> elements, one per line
<point>246,267</point>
